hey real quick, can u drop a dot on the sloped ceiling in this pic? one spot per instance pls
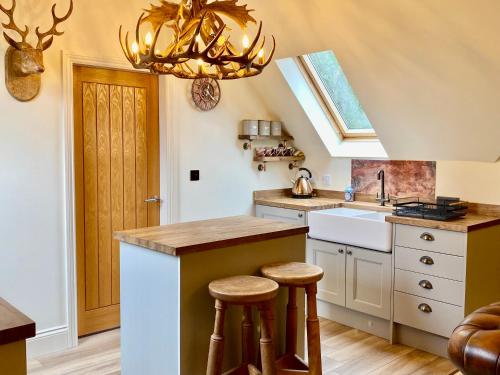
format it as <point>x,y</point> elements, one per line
<point>426,71</point>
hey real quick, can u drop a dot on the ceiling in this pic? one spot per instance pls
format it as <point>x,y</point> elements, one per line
<point>427,72</point>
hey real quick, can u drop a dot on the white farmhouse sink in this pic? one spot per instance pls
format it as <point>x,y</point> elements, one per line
<point>359,228</point>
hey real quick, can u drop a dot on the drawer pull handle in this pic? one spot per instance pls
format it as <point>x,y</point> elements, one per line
<point>341,251</point>
<point>426,284</point>
<point>427,237</point>
<point>428,261</point>
<point>425,308</point>
<point>301,215</point>
<point>349,252</point>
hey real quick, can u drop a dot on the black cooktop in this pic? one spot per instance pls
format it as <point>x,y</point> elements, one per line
<point>444,208</point>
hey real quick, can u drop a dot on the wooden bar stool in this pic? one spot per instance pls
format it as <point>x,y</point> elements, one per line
<point>246,291</point>
<point>299,275</point>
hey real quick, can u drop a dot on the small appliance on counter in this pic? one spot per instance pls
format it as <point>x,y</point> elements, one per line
<point>444,208</point>
<point>349,194</point>
<point>302,188</point>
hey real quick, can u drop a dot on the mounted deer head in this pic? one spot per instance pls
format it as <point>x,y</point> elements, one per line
<point>23,62</point>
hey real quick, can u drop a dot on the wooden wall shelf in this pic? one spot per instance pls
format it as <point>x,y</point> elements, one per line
<point>267,159</point>
<point>283,137</point>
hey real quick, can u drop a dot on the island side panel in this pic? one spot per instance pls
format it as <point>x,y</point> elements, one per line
<point>149,283</point>
<point>197,306</point>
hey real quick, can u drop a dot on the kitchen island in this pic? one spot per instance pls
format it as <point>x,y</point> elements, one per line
<point>167,314</point>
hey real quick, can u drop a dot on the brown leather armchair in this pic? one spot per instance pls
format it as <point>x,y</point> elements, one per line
<point>474,346</point>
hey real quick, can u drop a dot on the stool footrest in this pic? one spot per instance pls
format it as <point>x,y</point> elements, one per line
<point>291,362</point>
<point>241,370</point>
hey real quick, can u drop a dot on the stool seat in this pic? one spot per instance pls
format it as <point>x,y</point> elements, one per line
<point>293,273</point>
<point>241,290</point>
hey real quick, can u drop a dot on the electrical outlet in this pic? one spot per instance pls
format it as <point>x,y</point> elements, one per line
<point>327,180</point>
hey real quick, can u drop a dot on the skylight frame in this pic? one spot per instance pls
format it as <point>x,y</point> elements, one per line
<point>318,88</point>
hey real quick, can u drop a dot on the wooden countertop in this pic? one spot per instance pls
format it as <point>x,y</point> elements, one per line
<point>185,238</point>
<point>320,203</point>
<point>14,325</point>
<point>470,222</point>
<point>466,224</point>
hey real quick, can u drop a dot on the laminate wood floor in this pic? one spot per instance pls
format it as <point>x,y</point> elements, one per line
<point>346,351</point>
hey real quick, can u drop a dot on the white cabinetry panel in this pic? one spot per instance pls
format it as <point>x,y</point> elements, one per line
<point>331,258</point>
<point>368,282</point>
<point>431,287</point>
<point>429,263</point>
<point>441,318</point>
<point>441,241</point>
<point>281,214</point>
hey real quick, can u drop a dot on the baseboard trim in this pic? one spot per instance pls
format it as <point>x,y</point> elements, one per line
<point>425,341</point>
<point>370,324</point>
<point>49,341</point>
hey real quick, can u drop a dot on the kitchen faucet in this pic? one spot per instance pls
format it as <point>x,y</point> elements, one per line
<point>382,198</point>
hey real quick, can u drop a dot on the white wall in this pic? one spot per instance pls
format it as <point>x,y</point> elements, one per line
<point>208,141</point>
<point>472,181</point>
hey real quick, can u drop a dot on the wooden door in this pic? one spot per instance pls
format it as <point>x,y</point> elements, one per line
<point>116,147</point>
<point>368,282</point>
<point>331,258</point>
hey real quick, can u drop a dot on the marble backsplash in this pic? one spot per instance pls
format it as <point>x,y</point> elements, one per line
<point>402,178</point>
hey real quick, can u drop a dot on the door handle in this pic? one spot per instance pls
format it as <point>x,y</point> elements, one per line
<point>349,252</point>
<point>154,199</point>
<point>427,237</point>
<point>428,261</point>
<point>425,308</point>
<point>341,251</point>
<point>426,284</point>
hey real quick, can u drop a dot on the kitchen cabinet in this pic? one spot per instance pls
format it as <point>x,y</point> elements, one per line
<point>368,282</point>
<point>331,258</point>
<point>441,276</point>
<point>356,278</point>
<point>281,214</point>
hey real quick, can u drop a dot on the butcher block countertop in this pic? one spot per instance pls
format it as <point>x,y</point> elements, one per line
<point>14,325</point>
<point>479,216</point>
<point>315,204</point>
<point>468,223</point>
<point>186,238</point>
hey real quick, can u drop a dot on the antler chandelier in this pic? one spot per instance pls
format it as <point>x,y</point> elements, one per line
<point>200,46</point>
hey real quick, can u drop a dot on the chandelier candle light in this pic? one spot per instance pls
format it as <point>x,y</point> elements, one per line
<point>200,46</point>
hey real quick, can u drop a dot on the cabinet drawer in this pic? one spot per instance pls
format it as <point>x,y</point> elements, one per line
<point>442,320</point>
<point>440,265</point>
<point>441,241</point>
<point>443,290</point>
<point>281,214</point>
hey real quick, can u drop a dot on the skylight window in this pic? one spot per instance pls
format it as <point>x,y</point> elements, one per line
<point>337,96</point>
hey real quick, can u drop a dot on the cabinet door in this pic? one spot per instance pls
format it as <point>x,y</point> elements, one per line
<point>281,214</point>
<point>368,281</point>
<point>331,257</point>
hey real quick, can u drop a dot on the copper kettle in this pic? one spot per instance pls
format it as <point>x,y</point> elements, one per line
<point>302,188</point>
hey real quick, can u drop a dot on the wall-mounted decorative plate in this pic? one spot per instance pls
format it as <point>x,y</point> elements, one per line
<point>206,93</point>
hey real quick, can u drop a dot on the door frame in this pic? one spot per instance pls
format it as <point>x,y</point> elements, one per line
<point>169,168</point>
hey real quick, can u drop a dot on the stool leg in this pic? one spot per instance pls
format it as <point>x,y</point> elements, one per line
<point>216,351</point>
<point>291,322</point>
<point>313,335</point>
<point>247,336</point>
<point>266,339</point>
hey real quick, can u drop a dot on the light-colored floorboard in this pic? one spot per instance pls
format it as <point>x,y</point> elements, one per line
<point>346,351</point>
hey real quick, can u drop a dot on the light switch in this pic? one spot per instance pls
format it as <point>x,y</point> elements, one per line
<point>195,175</point>
<point>327,180</point>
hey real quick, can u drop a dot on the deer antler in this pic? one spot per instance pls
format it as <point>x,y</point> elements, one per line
<point>53,30</point>
<point>12,26</point>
